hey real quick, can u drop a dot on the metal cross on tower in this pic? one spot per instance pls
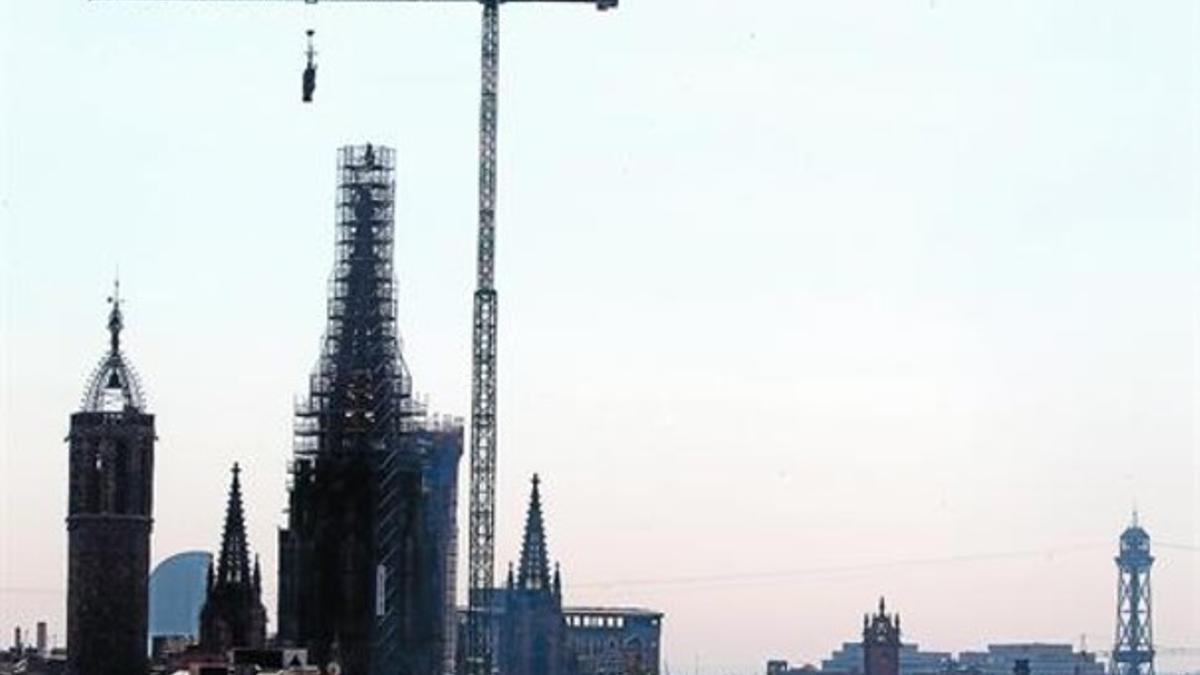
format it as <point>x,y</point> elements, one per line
<point>483,358</point>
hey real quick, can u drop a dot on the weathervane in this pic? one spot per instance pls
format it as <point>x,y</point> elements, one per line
<point>115,322</point>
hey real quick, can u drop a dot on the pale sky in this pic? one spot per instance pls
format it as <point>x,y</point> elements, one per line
<point>801,302</point>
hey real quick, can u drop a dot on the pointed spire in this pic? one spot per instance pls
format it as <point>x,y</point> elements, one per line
<point>557,580</point>
<point>257,576</point>
<point>234,565</point>
<point>534,572</point>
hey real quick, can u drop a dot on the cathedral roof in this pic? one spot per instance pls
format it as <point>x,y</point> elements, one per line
<point>114,385</point>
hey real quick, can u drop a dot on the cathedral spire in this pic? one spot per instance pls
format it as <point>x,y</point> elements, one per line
<point>234,565</point>
<point>534,571</point>
<point>233,615</point>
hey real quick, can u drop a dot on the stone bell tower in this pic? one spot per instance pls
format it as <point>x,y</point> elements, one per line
<point>110,498</point>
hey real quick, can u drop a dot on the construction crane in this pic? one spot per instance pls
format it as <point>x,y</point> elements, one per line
<point>482,519</point>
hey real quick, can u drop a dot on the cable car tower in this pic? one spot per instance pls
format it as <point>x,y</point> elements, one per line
<point>482,523</point>
<point>1133,648</point>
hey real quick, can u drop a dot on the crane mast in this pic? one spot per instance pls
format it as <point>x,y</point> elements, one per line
<point>482,517</point>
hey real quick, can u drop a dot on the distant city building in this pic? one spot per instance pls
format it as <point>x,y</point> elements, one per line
<point>177,589</point>
<point>610,641</point>
<point>782,667</point>
<point>849,659</point>
<point>880,652</point>
<point>881,643</point>
<point>169,648</point>
<point>110,500</point>
<point>1042,659</point>
<point>233,614</point>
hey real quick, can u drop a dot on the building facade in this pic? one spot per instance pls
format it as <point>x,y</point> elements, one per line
<point>439,442</point>
<point>110,507</point>
<point>614,641</point>
<point>1042,659</point>
<point>177,594</point>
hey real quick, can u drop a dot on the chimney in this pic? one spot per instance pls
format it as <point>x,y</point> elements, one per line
<point>42,648</point>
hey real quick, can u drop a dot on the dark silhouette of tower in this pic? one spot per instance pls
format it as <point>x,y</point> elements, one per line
<point>362,574</point>
<point>881,643</point>
<point>109,518</point>
<point>1133,651</point>
<point>533,639</point>
<point>233,613</point>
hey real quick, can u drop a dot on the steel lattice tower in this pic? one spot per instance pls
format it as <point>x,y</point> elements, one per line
<point>1133,648</point>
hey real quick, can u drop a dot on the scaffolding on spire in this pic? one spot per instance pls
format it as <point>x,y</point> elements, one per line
<point>366,574</point>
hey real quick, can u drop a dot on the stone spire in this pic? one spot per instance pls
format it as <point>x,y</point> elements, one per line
<point>234,565</point>
<point>233,615</point>
<point>534,571</point>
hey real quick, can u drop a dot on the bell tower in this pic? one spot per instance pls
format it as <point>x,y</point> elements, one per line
<point>110,499</point>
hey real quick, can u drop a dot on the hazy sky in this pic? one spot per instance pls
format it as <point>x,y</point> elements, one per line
<point>801,302</point>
